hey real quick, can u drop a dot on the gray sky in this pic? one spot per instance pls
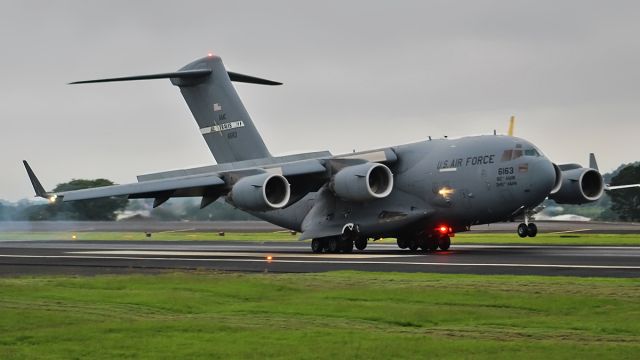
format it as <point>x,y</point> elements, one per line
<point>357,74</point>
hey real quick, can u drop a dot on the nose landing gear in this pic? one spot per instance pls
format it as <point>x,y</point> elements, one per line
<point>526,228</point>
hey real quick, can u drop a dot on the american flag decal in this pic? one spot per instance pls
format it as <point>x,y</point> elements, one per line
<point>217,107</point>
<point>523,168</point>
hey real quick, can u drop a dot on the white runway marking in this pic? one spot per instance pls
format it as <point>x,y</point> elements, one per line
<point>334,262</point>
<point>237,254</point>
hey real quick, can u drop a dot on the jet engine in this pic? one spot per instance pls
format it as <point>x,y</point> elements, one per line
<point>363,182</point>
<point>261,192</point>
<point>579,186</point>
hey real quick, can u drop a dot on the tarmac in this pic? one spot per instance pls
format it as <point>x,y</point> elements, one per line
<point>262,226</point>
<point>92,257</point>
<point>98,257</point>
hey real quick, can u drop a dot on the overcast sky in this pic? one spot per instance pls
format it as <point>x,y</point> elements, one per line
<point>357,74</point>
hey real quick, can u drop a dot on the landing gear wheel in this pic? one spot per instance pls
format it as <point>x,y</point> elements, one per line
<point>361,243</point>
<point>332,245</point>
<point>402,243</point>
<point>317,245</point>
<point>413,244</point>
<point>432,243</point>
<point>532,230</point>
<point>523,230</point>
<point>428,243</point>
<point>346,246</point>
<point>444,242</point>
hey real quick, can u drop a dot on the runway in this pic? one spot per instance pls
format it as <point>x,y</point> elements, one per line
<point>91,257</point>
<point>586,227</point>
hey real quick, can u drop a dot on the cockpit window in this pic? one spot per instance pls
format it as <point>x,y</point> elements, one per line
<point>509,155</point>
<point>516,154</point>
<point>506,155</point>
<point>531,152</point>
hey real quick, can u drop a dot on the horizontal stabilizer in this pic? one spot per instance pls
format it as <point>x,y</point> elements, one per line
<point>184,74</point>
<point>250,79</point>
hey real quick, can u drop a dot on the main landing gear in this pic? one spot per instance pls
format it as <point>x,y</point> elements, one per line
<point>426,242</point>
<point>336,244</point>
<point>343,243</point>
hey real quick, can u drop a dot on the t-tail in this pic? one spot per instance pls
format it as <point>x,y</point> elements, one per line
<point>223,120</point>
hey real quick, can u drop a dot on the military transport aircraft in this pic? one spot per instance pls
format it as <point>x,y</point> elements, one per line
<point>420,193</point>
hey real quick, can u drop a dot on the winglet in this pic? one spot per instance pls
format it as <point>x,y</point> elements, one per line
<point>37,186</point>
<point>592,162</point>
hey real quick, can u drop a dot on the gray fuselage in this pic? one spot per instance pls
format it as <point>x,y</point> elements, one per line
<point>457,182</point>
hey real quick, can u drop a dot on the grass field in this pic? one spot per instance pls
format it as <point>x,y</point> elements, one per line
<point>329,315</point>
<point>463,238</point>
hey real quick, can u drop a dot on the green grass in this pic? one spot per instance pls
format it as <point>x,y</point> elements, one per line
<point>463,238</point>
<point>549,239</point>
<point>329,315</point>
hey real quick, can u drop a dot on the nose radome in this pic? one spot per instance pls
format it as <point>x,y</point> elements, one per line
<point>543,176</point>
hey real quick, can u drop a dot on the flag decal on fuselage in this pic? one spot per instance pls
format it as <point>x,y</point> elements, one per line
<point>222,127</point>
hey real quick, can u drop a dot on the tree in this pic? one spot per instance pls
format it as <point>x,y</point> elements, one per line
<point>626,202</point>
<point>96,209</point>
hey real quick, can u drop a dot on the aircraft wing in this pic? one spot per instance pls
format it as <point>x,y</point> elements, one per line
<point>618,187</point>
<point>304,173</point>
<point>207,185</point>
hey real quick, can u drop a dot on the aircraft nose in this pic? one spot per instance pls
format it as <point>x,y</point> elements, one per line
<point>543,177</point>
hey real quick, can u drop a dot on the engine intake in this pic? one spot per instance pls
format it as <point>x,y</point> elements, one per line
<point>261,192</point>
<point>579,186</point>
<point>558,183</point>
<point>363,182</point>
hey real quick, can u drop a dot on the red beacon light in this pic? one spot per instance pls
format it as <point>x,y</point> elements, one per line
<point>445,230</point>
<point>209,54</point>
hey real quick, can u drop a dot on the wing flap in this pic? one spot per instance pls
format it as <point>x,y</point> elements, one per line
<point>190,186</point>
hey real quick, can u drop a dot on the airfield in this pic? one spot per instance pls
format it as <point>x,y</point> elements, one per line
<point>257,292</point>
<point>19,256</point>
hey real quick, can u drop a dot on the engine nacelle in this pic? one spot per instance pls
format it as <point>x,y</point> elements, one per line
<point>579,186</point>
<point>261,192</point>
<point>363,182</point>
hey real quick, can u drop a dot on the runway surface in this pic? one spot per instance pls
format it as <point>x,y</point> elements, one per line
<point>261,226</point>
<point>91,257</point>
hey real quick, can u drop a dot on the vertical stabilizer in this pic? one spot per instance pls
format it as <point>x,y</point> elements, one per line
<point>223,121</point>
<point>219,112</point>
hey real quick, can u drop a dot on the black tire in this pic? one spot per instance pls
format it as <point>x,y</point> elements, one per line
<point>532,230</point>
<point>423,243</point>
<point>432,243</point>
<point>317,245</point>
<point>402,242</point>
<point>361,243</point>
<point>444,242</point>
<point>413,244</point>
<point>346,246</point>
<point>332,245</point>
<point>523,230</point>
